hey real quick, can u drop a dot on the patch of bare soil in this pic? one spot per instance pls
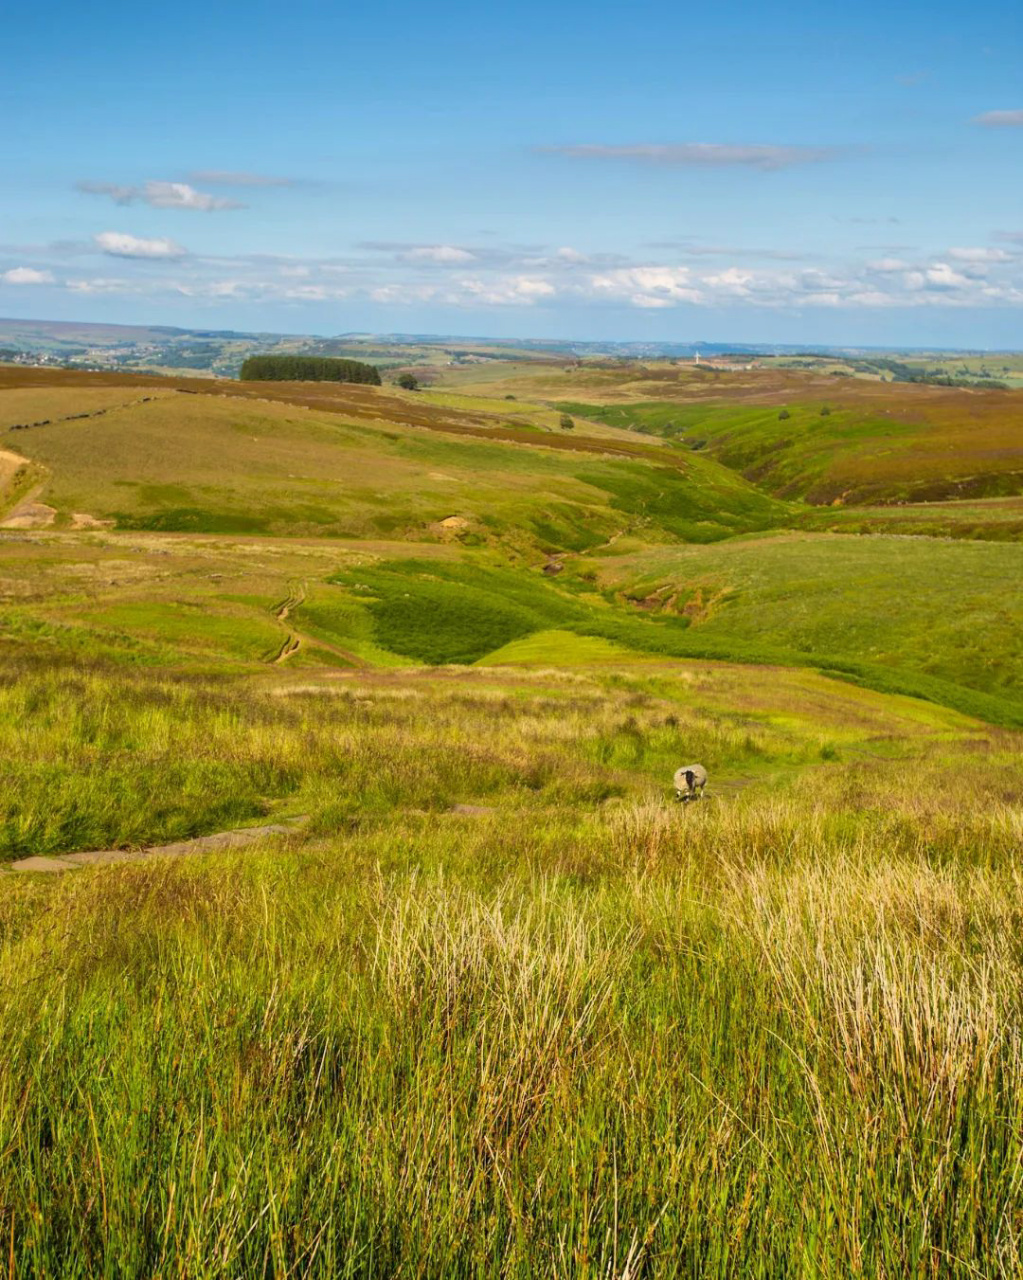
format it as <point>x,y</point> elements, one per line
<point>201,844</point>
<point>29,514</point>
<point>82,520</point>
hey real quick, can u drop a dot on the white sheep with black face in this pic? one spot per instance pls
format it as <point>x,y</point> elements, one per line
<point>689,782</point>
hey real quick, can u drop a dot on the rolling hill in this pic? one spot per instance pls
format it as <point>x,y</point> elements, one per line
<point>348,923</point>
<point>449,525</point>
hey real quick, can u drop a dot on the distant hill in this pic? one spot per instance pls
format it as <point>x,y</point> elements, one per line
<point>221,352</point>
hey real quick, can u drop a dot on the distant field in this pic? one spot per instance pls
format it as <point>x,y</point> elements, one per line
<point>984,519</point>
<point>362,466</point>
<point>948,609</point>
<point>898,444</point>
<point>472,503</point>
<point>802,434</point>
<point>872,443</point>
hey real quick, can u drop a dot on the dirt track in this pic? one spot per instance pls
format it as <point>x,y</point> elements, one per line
<point>201,844</point>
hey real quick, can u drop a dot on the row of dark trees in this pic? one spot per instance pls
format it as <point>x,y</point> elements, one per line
<point>307,369</point>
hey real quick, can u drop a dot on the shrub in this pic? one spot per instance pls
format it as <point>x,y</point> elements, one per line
<point>408,382</point>
<point>783,415</point>
<point>566,423</point>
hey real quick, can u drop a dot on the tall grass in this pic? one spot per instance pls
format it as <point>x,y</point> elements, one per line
<point>778,1033</point>
<point>642,1047</point>
<point>93,758</point>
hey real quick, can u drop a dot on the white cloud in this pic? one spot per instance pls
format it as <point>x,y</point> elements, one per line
<point>313,293</point>
<point>733,281</point>
<point>503,291</point>
<point>942,276</point>
<point>119,194</point>
<point>161,195</point>
<point>873,298</point>
<point>401,294</point>
<point>180,195</point>
<point>444,254</point>
<point>524,276</point>
<point>26,275</point>
<point>702,154</point>
<point>1001,119</point>
<point>979,255</point>
<point>119,244</point>
<point>647,286</point>
<point>102,284</point>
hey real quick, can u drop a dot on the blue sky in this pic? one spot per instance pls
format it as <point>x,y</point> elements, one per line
<point>752,172</point>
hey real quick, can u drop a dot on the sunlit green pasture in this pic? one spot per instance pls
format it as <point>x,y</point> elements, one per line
<point>213,464</point>
<point>848,444</point>
<point>932,618</point>
<point>949,609</point>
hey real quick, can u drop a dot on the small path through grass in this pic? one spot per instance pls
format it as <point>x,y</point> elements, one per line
<point>200,844</point>
<point>239,838</point>
<point>296,639</point>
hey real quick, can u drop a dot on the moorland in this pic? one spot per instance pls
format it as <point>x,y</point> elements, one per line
<point>477,996</point>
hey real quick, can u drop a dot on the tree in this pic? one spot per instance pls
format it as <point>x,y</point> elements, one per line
<point>408,382</point>
<point>285,368</point>
<point>566,422</point>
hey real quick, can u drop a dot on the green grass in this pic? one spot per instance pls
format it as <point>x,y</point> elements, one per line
<point>498,1005</point>
<point>455,613</point>
<point>210,464</point>
<point>558,649</point>
<point>987,520</point>
<point>948,611</point>
<point>792,457</point>
<point>100,757</point>
<point>851,445</point>
<point>590,1033</point>
<point>920,617</point>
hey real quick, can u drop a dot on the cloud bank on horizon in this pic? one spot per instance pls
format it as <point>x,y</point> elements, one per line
<point>751,180</point>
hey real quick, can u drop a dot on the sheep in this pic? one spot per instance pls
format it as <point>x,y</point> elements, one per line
<point>689,782</point>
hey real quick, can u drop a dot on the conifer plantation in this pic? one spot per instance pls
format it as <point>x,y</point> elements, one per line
<point>285,368</point>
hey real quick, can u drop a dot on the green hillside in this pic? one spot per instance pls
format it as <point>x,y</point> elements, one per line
<point>349,923</point>
<point>827,440</point>
<point>492,534</point>
<point>221,464</point>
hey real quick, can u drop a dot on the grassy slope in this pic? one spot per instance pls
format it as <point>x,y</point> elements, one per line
<point>947,609</point>
<point>879,443</point>
<point>104,757</point>
<point>581,1030</point>
<point>162,600</point>
<point>923,443</point>
<point>218,464</point>
<point>248,466</point>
